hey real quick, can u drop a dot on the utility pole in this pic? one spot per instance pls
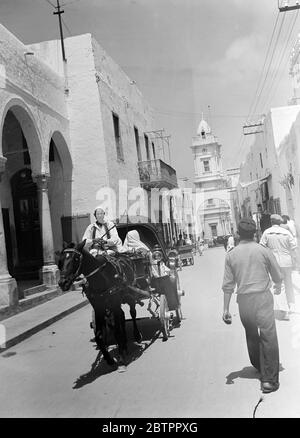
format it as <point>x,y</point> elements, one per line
<point>59,12</point>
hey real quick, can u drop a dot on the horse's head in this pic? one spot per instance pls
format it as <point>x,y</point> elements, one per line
<point>70,264</point>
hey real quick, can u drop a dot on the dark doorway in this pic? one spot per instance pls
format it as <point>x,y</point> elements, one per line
<point>27,222</point>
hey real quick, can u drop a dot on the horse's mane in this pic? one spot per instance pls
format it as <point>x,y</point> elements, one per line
<point>87,255</point>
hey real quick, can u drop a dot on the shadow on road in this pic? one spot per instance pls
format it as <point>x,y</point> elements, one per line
<point>246,373</point>
<point>150,329</point>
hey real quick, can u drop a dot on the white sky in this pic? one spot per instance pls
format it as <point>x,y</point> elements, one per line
<point>184,55</point>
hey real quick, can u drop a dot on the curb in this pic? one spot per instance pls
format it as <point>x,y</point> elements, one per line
<point>24,335</point>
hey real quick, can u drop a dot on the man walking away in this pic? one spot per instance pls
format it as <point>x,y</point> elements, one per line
<point>248,266</point>
<point>284,246</point>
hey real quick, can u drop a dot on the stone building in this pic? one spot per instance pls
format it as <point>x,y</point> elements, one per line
<point>289,148</point>
<point>261,189</point>
<point>214,214</point>
<point>68,130</point>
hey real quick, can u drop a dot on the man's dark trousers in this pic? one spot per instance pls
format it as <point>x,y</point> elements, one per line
<point>257,316</point>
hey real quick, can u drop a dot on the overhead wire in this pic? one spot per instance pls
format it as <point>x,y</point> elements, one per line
<point>261,84</point>
<point>264,64</point>
<point>50,3</point>
<point>241,150</point>
<point>69,3</point>
<point>277,70</point>
<point>277,62</point>
<point>270,63</point>
<point>180,113</point>
<point>65,24</point>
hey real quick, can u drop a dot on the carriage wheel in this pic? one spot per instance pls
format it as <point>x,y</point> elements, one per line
<point>192,260</point>
<point>164,317</point>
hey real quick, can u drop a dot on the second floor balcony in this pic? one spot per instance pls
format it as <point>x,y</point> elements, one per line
<point>157,173</point>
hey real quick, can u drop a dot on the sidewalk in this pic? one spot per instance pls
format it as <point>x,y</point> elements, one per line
<point>25,324</point>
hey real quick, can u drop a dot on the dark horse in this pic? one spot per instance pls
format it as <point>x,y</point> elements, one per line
<point>109,283</point>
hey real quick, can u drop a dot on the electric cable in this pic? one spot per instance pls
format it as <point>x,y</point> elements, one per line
<point>269,66</point>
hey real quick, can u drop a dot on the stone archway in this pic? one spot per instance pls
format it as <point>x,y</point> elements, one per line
<point>21,154</point>
<point>59,185</point>
<point>22,150</point>
<point>29,129</point>
<point>213,215</point>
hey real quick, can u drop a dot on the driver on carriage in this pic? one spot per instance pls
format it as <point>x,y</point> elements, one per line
<point>102,235</point>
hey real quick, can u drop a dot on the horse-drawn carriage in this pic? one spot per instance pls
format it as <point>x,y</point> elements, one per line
<point>126,278</point>
<point>186,254</point>
<point>151,275</point>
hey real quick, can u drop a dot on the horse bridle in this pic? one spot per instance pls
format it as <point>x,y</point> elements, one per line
<point>73,250</point>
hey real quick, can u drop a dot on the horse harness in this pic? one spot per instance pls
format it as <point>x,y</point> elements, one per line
<point>117,265</point>
<point>76,273</point>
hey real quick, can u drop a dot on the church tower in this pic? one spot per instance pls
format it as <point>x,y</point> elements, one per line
<point>214,215</point>
<point>207,159</point>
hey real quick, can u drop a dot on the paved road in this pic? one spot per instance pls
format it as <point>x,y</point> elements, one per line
<point>201,371</point>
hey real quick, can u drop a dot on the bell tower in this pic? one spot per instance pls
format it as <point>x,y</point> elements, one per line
<point>214,213</point>
<point>207,159</point>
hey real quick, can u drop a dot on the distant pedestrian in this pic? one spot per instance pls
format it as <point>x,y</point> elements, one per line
<point>188,240</point>
<point>199,245</point>
<point>248,267</point>
<point>230,243</point>
<point>225,240</point>
<point>283,245</point>
<point>180,240</point>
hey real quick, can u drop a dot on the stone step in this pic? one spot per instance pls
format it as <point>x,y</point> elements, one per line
<point>34,290</point>
<point>39,297</point>
<point>29,302</point>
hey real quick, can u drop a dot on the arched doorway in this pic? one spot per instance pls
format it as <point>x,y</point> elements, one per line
<point>60,187</point>
<point>214,217</point>
<point>19,199</point>
<point>27,225</point>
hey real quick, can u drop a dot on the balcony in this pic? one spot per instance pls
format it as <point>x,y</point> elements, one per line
<point>156,173</point>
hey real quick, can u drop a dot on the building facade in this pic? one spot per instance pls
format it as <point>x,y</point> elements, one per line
<point>261,190</point>
<point>214,215</point>
<point>70,133</point>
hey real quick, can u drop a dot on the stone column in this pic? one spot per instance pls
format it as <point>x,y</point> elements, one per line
<point>8,285</point>
<point>49,271</point>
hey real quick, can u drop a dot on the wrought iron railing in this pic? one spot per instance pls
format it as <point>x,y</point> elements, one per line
<point>157,173</point>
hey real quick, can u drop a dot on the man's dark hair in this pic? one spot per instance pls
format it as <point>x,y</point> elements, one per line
<point>246,235</point>
<point>246,229</point>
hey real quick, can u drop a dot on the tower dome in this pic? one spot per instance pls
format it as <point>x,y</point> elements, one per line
<point>203,128</point>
